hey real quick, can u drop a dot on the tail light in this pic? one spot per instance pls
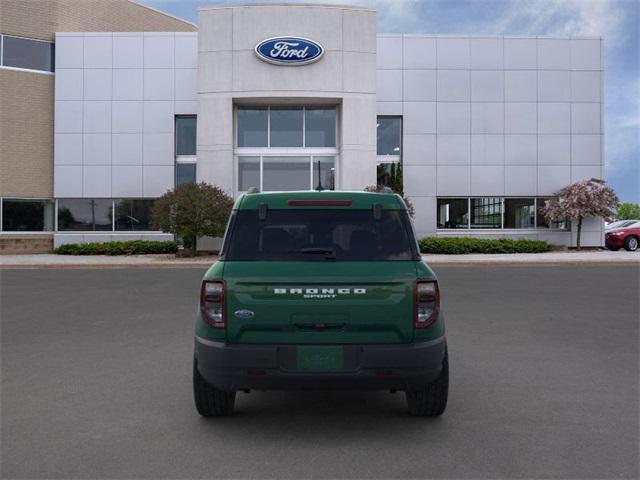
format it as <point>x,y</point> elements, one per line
<point>212,303</point>
<point>426,303</point>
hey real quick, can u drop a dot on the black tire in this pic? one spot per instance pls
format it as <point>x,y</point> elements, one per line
<point>211,402</point>
<point>631,243</point>
<point>432,401</point>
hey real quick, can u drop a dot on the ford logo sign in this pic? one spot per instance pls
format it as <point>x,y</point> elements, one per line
<point>244,313</point>
<point>289,51</point>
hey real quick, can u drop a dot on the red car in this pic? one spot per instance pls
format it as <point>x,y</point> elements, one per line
<point>627,237</point>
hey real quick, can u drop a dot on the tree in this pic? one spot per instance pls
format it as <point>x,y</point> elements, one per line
<point>193,210</point>
<point>586,198</point>
<point>628,211</point>
<point>381,188</point>
<point>390,175</point>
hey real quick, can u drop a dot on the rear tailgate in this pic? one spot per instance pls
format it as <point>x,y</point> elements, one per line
<point>319,302</point>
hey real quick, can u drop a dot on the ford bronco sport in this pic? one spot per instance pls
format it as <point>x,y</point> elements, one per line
<point>318,290</point>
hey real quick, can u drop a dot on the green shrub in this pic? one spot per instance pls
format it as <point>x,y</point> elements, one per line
<point>461,245</point>
<point>132,247</point>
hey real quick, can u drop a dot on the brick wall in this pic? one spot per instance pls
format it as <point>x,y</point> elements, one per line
<point>26,134</point>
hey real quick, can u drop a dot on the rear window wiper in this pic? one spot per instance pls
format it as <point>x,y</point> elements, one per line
<point>329,253</point>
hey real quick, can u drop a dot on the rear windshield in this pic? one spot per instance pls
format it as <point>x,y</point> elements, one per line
<point>320,235</point>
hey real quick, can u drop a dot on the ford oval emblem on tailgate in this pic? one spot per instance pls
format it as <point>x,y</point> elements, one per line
<point>244,313</point>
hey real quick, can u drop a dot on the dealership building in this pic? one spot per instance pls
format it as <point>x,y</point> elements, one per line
<point>107,105</point>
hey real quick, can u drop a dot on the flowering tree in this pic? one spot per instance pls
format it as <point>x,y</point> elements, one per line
<point>193,210</point>
<point>586,198</point>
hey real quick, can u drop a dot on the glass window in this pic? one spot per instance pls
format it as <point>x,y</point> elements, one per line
<point>320,127</point>
<point>185,173</point>
<point>26,53</point>
<point>324,168</point>
<point>133,215</point>
<point>318,234</point>
<point>389,132</point>
<point>541,220</point>
<point>486,212</point>
<point>285,173</point>
<point>248,173</point>
<point>26,215</point>
<point>389,174</point>
<point>453,213</point>
<point>83,214</point>
<point>285,125</point>
<point>519,213</point>
<point>252,126</point>
<point>186,135</point>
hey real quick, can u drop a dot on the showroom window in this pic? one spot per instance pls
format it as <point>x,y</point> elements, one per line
<point>519,213</point>
<point>542,221</point>
<point>286,127</point>
<point>186,140</point>
<point>97,215</point>
<point>389,151</point>
<point>271,173</point>
<point>453,213</point>
<point>486,212</point>
<point>85,215</point>
<point>253,126</point>
<point>133,215</point>
<point>493,213</point>
<point>26,215</point>
<point>323,169</point>
<point>26,53</point>
<point>320,127</point>
<point>286,147</point>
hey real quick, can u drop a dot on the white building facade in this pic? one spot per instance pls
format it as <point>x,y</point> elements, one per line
<point>484,128</point>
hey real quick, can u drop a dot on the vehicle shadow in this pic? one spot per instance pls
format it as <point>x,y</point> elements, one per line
<point>318,416</point>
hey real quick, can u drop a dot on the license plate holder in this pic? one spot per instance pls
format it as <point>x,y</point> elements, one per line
<point>319,358</point>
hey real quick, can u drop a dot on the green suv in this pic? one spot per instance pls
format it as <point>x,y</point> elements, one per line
<point>320,290</point>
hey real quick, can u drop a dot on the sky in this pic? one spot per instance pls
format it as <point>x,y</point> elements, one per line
<point>617,21</point>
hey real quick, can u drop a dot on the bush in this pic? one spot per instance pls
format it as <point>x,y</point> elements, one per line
<point>132,247</point>
<point>462,245</point>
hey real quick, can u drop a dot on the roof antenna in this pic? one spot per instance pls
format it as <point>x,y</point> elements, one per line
<point>319,187</point>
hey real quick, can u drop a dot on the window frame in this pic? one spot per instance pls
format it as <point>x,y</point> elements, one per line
<point>183,159</point>
<point>504,213</point>
<point>268,151</point>
<point>489,204</point>
<point>56,213</point>
<point>389,159</point>
<point>261,157</point>
<point>28,199</point>
<point>469,228</point>
<point>113,218</point>
<point>22,69</point>
<point>282,106</point>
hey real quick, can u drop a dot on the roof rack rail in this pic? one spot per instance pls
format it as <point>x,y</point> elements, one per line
<point>386,190</point>
<point>253,190</point>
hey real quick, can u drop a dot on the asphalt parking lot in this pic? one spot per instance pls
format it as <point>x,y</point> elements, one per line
<point>96,383</point>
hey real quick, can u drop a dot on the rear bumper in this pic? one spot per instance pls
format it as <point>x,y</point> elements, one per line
<point>273,367</point>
